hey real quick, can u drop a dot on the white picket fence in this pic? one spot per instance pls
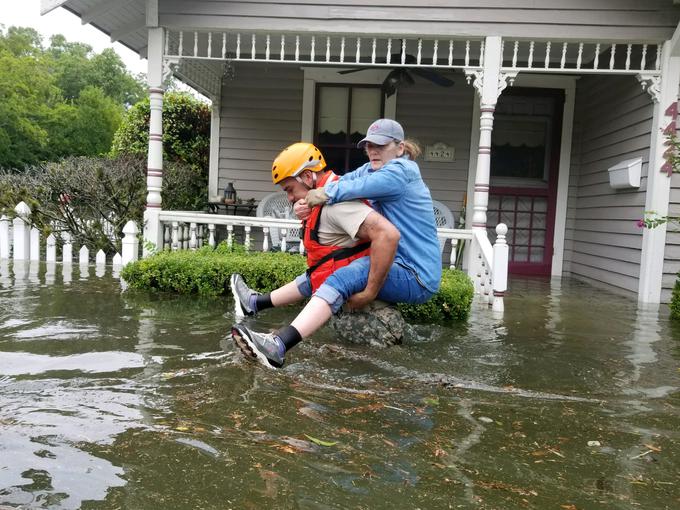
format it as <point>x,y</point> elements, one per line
<point>19,241</point>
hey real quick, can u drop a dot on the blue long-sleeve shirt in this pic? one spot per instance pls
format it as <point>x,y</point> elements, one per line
<point>397,191</point>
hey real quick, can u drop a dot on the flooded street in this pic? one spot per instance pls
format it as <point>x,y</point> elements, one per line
<point>113,399</point>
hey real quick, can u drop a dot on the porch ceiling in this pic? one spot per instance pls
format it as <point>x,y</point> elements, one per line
<point>199,56</point>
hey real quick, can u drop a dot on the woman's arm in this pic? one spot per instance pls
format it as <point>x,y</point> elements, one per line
<point>385,184</point>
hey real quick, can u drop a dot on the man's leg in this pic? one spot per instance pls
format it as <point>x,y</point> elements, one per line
<point>249,302</point>
<point>270,348</point>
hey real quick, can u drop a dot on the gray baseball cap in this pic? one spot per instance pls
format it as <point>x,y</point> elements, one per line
<point>382,132</point>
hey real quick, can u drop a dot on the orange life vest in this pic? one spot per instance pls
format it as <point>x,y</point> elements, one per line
<point>324,260</point>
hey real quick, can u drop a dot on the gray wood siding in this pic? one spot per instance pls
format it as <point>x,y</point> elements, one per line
<point>261,113</point>
<point>433,114</point>
<point>615,20</point>
<point>613,119</point>
<point>671,264</point>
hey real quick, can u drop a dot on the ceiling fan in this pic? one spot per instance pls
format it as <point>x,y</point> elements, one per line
<point>401,76</point>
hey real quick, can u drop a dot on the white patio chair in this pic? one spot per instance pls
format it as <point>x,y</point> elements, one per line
<point>276,205</point>
<point>443,217</point>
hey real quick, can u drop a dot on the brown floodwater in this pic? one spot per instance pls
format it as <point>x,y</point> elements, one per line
<point>112,399</point>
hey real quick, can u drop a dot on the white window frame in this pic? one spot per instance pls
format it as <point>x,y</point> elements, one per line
<point>314,75</point>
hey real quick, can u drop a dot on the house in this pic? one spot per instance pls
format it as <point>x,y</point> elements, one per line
<point>547,98</point>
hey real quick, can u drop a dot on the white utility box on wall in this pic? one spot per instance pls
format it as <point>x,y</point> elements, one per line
<point>626,174</point>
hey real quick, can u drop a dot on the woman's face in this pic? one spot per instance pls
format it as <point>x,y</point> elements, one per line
<point>379,155</point>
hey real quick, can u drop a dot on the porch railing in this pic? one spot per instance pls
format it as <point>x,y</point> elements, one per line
<point>191,230</point>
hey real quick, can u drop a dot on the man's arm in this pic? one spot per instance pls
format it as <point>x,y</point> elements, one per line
<point>384,238</point>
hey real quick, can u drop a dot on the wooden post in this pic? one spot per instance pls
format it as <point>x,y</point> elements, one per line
<point>153,231</point>
<point>35,244</point>
<point>665,95</point>
<point>21,232</point>
<point>500,267</point>
<point>67,250</point>
<point>84,255</point>
<point>4,237</point>
<point>130,243</point>
<point>51,249</point>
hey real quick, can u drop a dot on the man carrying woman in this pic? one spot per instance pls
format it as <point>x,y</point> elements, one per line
<point>392,183</point>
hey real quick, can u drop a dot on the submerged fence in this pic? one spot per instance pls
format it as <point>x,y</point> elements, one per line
<point>20,241</point>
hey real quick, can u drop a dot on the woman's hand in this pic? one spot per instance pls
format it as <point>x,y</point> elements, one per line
<point>301,209</point>
<point>316,197</point>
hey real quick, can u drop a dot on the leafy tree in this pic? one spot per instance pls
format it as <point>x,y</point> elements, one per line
<point>76,67</point>
<point>186,146</point>
<point>85,127</point>
<point>59,101</point>
<point>28,96</point>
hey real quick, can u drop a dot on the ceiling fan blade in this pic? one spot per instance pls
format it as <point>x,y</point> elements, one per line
<point>353,70</point>
<point>433,76</point>
<point>395,79</point>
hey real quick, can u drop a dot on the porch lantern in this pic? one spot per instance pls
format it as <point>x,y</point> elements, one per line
<point>230,194</point>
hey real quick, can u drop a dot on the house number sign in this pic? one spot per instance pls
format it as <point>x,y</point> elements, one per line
<point>439,152</point>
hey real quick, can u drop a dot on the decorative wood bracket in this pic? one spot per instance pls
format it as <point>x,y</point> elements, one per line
<point>476,76</point>
<point>505,79</point>
<point>170,64</point>
<point>652,84</point>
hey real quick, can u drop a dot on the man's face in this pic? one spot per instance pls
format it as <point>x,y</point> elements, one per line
<point>294,189</point>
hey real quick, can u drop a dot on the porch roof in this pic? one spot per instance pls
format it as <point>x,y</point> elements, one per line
<point>617,21</point>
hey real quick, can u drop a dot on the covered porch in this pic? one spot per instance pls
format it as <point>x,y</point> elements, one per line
<point>271,88</point>
<point>582,90</point>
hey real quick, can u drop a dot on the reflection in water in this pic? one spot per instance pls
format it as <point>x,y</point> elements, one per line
<point>135,400</point>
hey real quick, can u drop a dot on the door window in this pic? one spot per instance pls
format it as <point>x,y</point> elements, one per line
<point>343,115</point>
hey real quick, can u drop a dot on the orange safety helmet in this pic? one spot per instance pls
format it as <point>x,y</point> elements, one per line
<point>295,159</point>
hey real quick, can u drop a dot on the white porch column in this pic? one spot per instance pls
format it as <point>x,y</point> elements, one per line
<point>664,94</point>
<point>154,172</point>
<point>213,165</point>
<point>487,85</point>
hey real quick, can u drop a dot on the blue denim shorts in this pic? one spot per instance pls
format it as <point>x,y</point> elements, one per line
<point>401,285</point>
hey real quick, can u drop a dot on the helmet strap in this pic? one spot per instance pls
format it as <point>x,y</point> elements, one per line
<point>298,179</point>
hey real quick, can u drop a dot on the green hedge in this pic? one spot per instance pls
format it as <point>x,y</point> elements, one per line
<point>207,270</point>
<point>675,301</point>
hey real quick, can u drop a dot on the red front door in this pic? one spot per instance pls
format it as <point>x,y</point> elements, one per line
<point>524,164</point>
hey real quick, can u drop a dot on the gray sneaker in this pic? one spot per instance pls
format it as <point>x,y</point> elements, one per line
<point>241,293</point>
<point>262,347</point>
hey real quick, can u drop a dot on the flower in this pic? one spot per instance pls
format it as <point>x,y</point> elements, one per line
<point>640,223</point>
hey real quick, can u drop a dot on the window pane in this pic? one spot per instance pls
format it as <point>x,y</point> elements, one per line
<point>335,158</point>
<point>332,121</point>
<point>365,109</point>
<point>357,157</point>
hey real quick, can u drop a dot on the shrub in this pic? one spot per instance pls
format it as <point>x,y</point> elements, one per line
<point>206,272</point>
<point>451,302</point>
<point>675,301</point>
